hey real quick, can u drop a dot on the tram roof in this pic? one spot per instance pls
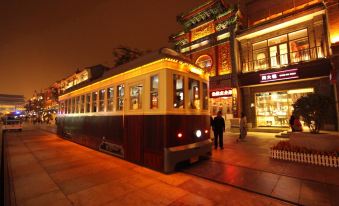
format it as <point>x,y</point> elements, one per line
<point>143,60</point>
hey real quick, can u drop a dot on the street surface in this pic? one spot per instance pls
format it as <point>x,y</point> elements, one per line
<point>48,170</point>
<point>247,165</point>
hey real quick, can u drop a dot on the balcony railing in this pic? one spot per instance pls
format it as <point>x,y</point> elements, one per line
<point>284,60</point>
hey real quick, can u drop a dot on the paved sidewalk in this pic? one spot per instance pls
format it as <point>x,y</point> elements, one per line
<point>247,165</point>
<point>47,170</point>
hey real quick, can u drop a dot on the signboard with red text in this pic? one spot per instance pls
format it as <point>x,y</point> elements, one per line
<point>227,92</point>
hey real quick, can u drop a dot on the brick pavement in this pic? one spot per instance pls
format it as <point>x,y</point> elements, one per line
<point>47,170</point>
<point>247,165</point>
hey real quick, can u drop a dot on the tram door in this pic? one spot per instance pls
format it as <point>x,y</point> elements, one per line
<point>133,123</point>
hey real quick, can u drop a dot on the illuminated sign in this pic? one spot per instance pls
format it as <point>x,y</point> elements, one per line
<point>221,93</point>
<point>278,76</point>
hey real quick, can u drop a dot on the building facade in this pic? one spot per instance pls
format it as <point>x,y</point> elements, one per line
<point>276,52</point>
<point>207,39</point>
<point>11,103</point>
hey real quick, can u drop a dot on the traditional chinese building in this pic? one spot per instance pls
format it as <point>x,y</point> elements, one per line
<point>208,39</point>
<point>263,55</point>
<point>284,53</point>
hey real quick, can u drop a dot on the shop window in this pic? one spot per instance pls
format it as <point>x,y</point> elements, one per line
<point>178,87</point>
<point>110,99</point>
<point>154,92</point>
<point>275,108</point>
<point>223,104</point>
<point>136,97</point>
<point>82,104</point>
<point>102,100</point>
<point>194,93</point>
<point>94,101</point>
<point>205,96</point>
<point>120,97</point>
<point>88,103</point>
<point>205,62</point>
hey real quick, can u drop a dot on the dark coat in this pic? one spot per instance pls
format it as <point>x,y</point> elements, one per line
<point>218,124</point>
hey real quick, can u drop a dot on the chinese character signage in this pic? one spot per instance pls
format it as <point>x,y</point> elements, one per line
<point>221,93</point>
<point>202,31</point>
<point>279,76</point>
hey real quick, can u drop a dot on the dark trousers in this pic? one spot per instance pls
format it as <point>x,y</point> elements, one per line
<point>218,137</point>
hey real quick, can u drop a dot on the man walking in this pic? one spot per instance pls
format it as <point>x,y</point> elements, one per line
<point>218,129</point>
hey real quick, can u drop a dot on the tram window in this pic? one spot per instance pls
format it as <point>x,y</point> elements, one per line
<point>88,103</point>
<point>178,93</point>
<point>77,104</point>
<point>94,101</point>
<point>66,106</point>
<point>120,97</point>
<point>135,95</point>
<point>194,93</point>
<point>69,106</point>
<point>82,104</point>
<point>102,100</point>
<point>204,96</point>
<point>110,98</point>
<point>154,92</point>
<point>61,108</point>
<point>73,105</point>
<point>69,110</point>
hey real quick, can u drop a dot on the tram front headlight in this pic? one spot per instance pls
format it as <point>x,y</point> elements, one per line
<point>198,133</point>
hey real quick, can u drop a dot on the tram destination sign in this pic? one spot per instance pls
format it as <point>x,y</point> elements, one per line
<point>279,76</point>
<point>221,93</point>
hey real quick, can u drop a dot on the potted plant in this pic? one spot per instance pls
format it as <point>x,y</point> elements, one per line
<point>314,109</point>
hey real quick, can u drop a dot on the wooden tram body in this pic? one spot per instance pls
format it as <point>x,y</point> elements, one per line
<point>152,111</point>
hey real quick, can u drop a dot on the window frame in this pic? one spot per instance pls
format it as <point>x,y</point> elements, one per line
<point>175,90</point>
<point>154,91</point>
<point>139,97</point>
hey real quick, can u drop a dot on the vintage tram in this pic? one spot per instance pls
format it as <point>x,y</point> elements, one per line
<point>152,111</point>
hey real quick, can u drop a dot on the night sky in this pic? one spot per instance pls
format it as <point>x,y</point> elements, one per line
<point>44,41</point>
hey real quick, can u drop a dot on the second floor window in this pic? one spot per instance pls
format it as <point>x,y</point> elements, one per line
<point>281,51</point>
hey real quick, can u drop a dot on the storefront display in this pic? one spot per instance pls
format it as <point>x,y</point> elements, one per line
<point>275,108</point>
<point>223,104</point>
